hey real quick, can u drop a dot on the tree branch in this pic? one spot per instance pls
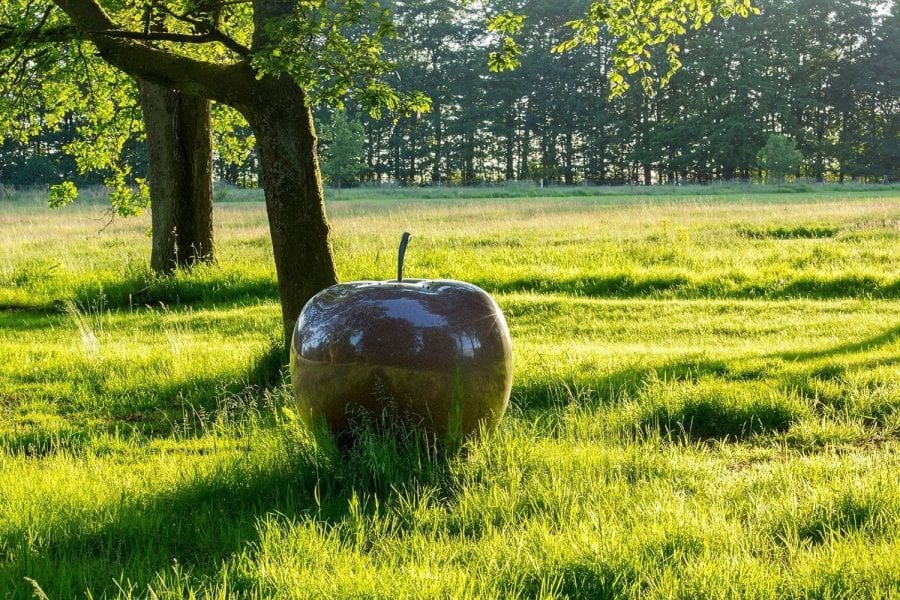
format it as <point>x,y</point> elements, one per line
<point>229,42</point>
<point>10,38</point>
<point>223,83</point>
<point>212,31</point>
<point>156,36</point>
<point>24,40</point>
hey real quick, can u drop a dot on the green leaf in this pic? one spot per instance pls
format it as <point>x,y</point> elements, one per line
<point>62,194</point>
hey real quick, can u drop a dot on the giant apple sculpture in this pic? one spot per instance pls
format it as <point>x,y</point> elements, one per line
<point>435,353</point>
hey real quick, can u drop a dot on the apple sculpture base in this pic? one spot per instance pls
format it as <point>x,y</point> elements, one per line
<point>435,353</point>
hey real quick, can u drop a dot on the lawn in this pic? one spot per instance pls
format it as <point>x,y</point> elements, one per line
<point>706,403</point>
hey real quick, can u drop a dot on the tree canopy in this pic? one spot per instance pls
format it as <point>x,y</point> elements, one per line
<point>829,82</point>
<point>343,154</point>
<point>823,73</point>
<point>52,71</point>
<point>272,62</point>
<point>779,157</point>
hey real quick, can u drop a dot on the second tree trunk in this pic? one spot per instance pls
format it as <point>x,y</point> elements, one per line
<point>179,143</point>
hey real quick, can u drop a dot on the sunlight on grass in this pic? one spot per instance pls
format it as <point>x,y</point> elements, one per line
<point>706,403</point>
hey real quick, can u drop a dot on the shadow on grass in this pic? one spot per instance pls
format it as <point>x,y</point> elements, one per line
<point>706,413</point>
<point>846,511</point>
<point>28,319</point>
<point>844,515</point>
<point>885,338</point>
<point>627,382</point>
<point>827,288</point>
<point>140,289</point>
<point>787,232</point>
<point>17,306</point>
<point>210,517</point>
<point>269,370</point>
<point>624,383</point>
<point>147,290</point>
<point>613,286</point>
<point>230,290</point>
<point>35,442</point>
<point>596,579</point>
<point>678,286</point>
<point>694,400</point>
<point>153,410</point>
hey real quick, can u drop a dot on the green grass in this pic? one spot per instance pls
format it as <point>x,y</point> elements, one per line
<point>706,404</point>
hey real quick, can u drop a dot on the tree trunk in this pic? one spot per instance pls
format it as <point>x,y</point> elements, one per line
<point>395,157</point>
<point>570,159</point>
<point>281,120</point>
<point>179,142</point>
<point>286,139</point>
<point>510,143</point>
<point>600,166</point>
<point>437,126</point>
<point>413,148</point>
<point>468,174</point>
<point>525,155</point>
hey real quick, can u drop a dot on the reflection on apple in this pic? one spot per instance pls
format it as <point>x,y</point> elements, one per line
<point>435,353</point>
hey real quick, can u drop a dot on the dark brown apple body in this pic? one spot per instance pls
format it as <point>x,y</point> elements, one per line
<point>433,352</point>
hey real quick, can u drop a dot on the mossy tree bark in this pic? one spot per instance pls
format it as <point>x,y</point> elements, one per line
<point>285,136</point>
<point>179,143</point>
<point>281,119</point>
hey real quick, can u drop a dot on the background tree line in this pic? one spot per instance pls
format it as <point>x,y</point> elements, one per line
<point>823,73</point>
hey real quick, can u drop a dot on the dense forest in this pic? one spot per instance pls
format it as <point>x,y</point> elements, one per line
<point>824,74</point>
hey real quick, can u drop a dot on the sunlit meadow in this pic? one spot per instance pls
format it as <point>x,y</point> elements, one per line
<point>706,404</point>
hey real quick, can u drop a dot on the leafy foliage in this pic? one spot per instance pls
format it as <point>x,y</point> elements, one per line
<point>779,157</point>
<point>507,25</point>
<point>234,142</point>
<point>62,194</point>
<point>636,28</point>
<point>334,51</point>
<point>51,80</point>
<point>342,154</point>
<point>827,81</point>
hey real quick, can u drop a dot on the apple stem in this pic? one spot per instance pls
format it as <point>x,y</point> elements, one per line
<point>404,240</point>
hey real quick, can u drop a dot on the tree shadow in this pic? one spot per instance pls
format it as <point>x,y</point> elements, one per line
<point>626,382</point>
<point>883,339</point>
<point>28,319</point>
<point>199,524</point>
<point>269,370</point>
<point>202,523</point>
<point>612,286</point>
<point>145,410</point>
<point>227,290</point>
<point>220,290</point>
<point>188,407</point>
<point>680,286</point>
<point>836,287</point>
<point>17,306</point>
<point>139,290</point>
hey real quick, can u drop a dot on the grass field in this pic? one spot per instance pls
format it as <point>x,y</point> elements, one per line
<point>706,404</point>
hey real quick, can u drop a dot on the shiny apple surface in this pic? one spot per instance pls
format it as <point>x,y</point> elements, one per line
<point>433,352</point>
